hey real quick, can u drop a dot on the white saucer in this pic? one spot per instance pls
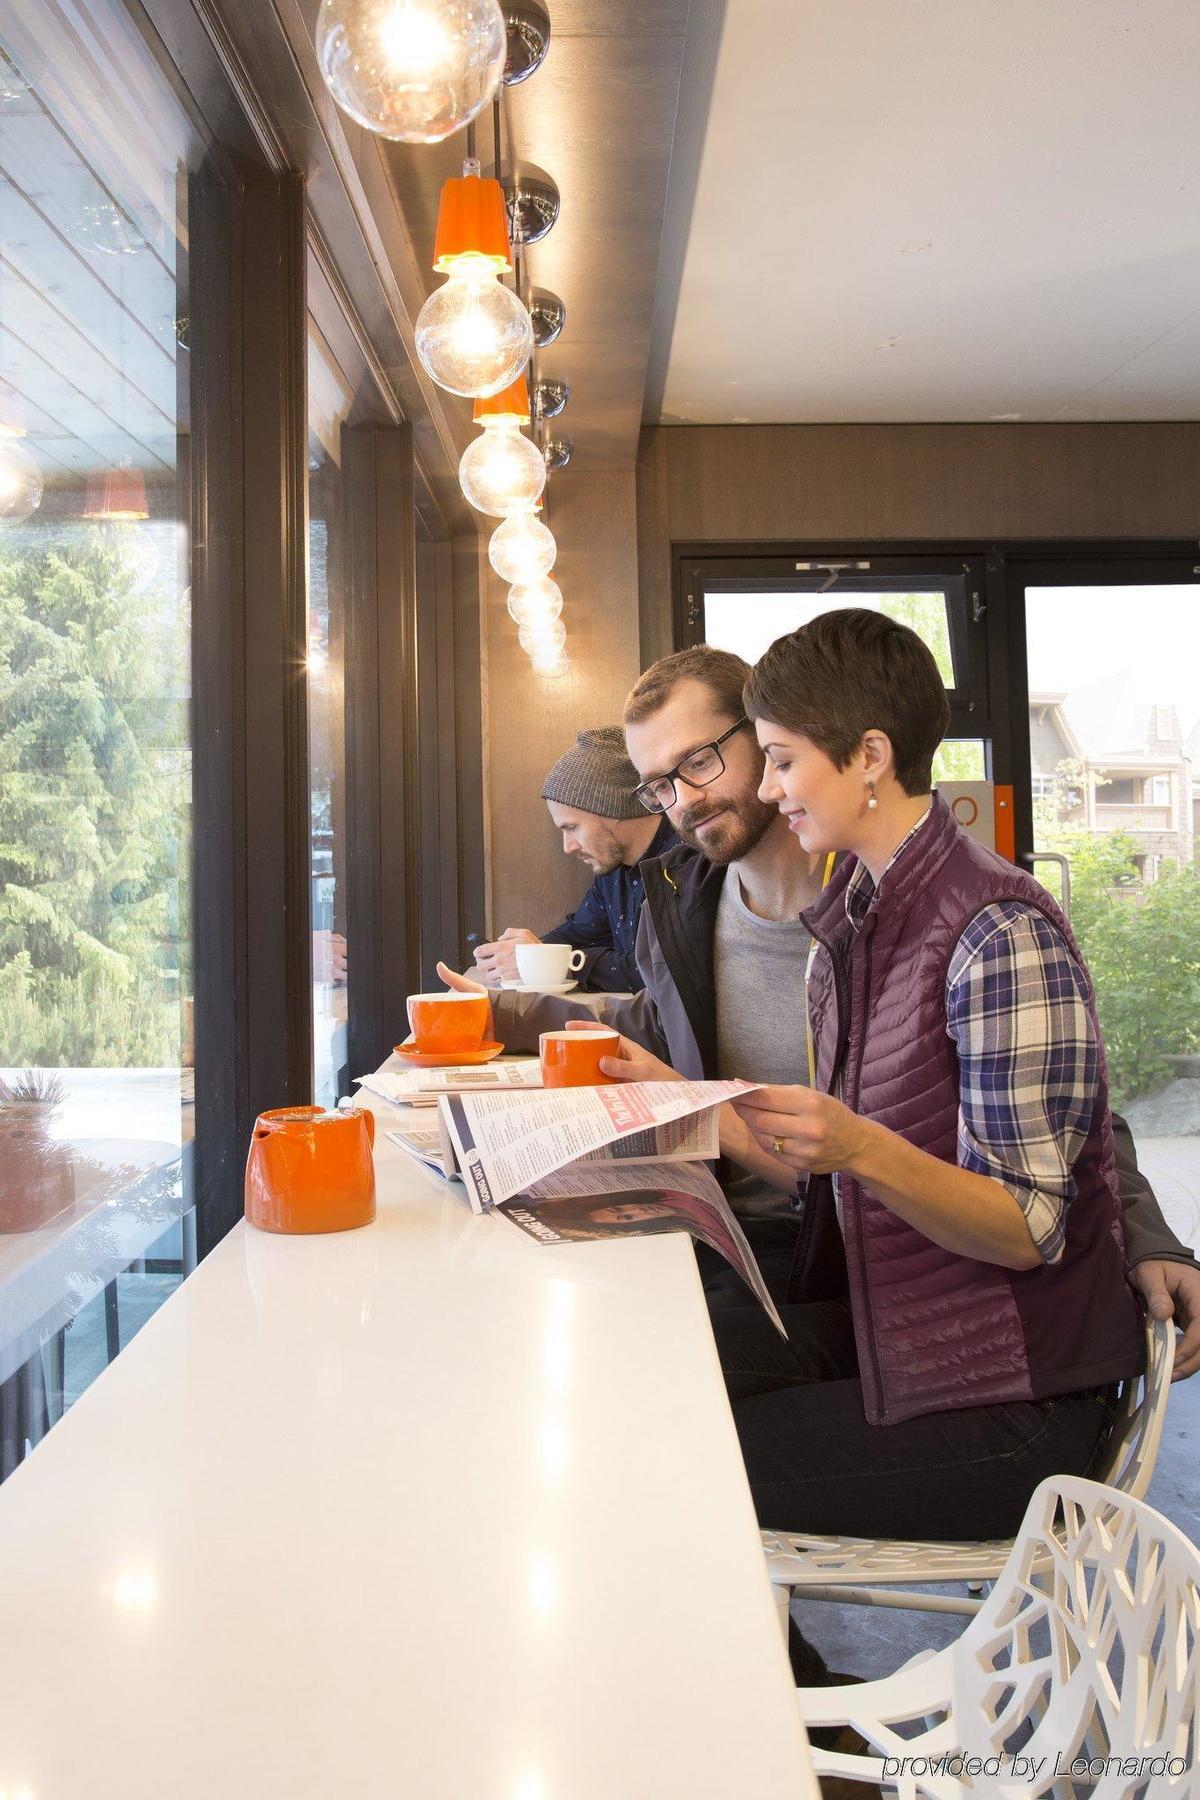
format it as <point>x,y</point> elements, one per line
<point>535,987</point>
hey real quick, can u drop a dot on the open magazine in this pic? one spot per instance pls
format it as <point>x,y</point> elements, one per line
<point>592,1162</point>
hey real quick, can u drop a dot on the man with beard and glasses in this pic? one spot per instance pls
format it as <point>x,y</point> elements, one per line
<point>723,956</point>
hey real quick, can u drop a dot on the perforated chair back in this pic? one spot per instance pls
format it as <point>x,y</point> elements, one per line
<point>1086,1652</point>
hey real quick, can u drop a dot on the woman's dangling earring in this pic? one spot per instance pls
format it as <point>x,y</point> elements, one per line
<point>872,803</point>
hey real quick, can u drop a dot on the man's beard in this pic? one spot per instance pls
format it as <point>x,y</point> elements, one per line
<point>742,825</point>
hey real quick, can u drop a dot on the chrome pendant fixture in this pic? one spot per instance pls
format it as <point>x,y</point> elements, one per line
<point>527,24</point>
<point>549,398</point>
<point>557,452</point>
<point>533,203</point>
<point>549,315</point>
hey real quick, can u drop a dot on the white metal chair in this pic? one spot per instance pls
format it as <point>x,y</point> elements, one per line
<point>1087,1647</point>
<point>870,1571</point>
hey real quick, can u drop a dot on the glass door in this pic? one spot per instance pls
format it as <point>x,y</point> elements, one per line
<point>1114,738</point>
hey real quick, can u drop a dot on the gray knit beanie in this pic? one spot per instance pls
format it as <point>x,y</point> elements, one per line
<point>597,776</point>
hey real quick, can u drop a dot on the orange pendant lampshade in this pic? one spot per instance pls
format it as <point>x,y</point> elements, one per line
<point>472,222</point>
<point>120,494</point>
<point>511,402</point>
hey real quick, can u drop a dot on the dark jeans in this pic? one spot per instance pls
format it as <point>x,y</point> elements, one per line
<point>816,1465</point>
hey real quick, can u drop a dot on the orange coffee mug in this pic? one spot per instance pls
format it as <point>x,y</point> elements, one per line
<point>445,1024</point>
<point>311,1170</point>
<point>572,1058</point>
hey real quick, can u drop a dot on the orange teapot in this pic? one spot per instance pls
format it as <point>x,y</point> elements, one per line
<point>311,1170</point>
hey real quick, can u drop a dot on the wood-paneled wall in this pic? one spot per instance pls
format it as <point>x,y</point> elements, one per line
<point>530,722</point>
<point>882,483</point>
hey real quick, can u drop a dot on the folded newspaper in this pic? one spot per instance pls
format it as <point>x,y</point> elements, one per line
<point>593,1162</point>
<point>422,1087</point>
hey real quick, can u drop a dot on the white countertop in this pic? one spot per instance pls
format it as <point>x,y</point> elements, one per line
<point>422,1510</point>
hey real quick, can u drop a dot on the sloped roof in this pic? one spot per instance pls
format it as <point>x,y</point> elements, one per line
<point>1110,718</point>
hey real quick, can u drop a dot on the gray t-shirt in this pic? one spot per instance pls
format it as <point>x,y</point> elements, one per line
<point>759,969</point>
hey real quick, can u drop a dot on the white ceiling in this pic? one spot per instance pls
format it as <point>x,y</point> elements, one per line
<point>944,210</point>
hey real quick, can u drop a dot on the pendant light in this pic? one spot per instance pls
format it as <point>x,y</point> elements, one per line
<point>503,470</point>
<point>532,600</point>
<point>118,496</point>
<point>551,666</point>
<point>411,70</point>
<point>542,637</point>
<point>473,335</point>
<point>20,482</point>
<point>522,549</point>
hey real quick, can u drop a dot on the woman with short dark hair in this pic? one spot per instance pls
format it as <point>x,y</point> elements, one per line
<point>959,1313</point>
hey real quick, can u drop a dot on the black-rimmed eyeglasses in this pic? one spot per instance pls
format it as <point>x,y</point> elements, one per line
<point>699,768</point>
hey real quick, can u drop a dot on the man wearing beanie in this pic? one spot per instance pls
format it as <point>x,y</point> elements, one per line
<point>589,793</point>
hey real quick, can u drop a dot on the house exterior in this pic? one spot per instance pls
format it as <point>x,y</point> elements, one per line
<point>1138,773</point>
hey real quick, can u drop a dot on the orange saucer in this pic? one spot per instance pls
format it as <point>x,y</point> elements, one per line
<point>458,1059</point>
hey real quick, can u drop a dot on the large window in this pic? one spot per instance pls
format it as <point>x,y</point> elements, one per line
<point>1114,735</point>
<point>96,967</point>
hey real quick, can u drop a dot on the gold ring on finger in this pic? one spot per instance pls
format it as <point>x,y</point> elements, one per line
<point>777,1145</point>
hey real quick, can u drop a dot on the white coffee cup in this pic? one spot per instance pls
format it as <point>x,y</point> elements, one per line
<point>548,965</point>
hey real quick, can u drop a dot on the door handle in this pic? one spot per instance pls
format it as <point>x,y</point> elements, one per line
<point>1055,856</point>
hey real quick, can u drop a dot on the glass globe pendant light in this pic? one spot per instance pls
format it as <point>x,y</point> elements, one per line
<point>533,600</point>
<point>412,70</point>
<point>502,471</point>
<point>542,637</point>
<point>551,665</point>
<point>473,336</point>
<point>522,549</point>
<point>20,483</point>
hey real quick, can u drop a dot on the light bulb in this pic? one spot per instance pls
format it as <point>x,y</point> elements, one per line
<point>522,549</point>
<point>474,336</point>
<point>412,70</point>
<point>552,665</point>
<point>20,482</point>
<point>532,600</point>
<point>502,469</point>
<point>542,636</point>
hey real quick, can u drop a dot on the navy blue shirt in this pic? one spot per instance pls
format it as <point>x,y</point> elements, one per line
<point>605,924</point>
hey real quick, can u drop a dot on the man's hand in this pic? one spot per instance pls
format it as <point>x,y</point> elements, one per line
<point>807,1131</point>
<point>1171,1290</point>
<point>499,959</point>
<point>460,985</point>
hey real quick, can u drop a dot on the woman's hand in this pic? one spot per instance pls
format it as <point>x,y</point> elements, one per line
<point>810,1132</point>
<point>631,1063</point>
<point>459,984</point>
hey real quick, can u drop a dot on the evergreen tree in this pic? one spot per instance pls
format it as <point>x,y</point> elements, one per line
<point>93,802</point>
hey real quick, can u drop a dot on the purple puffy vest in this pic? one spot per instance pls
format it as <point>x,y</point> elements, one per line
<point>937,1330</point>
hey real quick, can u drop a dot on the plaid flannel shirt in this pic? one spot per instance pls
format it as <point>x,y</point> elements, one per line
<point>1016,1011</point>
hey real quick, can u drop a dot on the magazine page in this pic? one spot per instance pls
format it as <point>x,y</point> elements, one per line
<point>421,1087</point>
<point>503,1143</point>
<point>583,1203</point>
<point>422,1139</point>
